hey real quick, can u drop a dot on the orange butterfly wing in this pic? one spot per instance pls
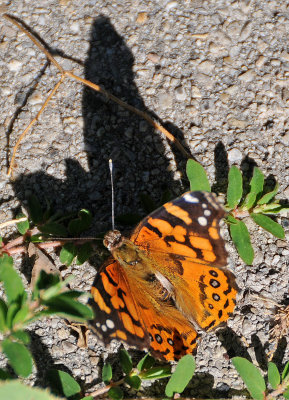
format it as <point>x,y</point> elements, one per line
<point>168,277</point>
<point>183,237</point>
<point>126,314</point>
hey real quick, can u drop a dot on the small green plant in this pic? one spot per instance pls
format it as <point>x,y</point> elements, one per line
<point>256,384</point>
<point>146,370</point>
<point>256,204</point>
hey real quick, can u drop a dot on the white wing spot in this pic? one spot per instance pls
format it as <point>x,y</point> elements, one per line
<point>103,328</point>
<point>204,205</point>
<point>207,213</point>
<point>202,221</point>
<point>109,323</point>
<point>190,199</point>
<point>97,325</point>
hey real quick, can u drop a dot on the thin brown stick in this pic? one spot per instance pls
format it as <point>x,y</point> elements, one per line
<point>95,87</point>
<point>134,110</point>
<point>12,222</point>
<point>14,20</point>
<point>106,388</point>
<point>35,119</point>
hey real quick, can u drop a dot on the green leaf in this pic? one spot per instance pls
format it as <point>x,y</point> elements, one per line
<point>4,375</point>
<point>12,311</point>
<point>3,314</point>
<point>62,383</point>
<point>106,373</point>
<point>35,210</point>
<point>80,224</point>
<point>22,226</point>
<point>156,372</point>
<point>181,377</point>
<point>286,394</point>
<point>146,362</point>
<point>235,187</point>
<point>133,381</point>
<point>69,308</point>
<point>13,285</point>
<point>285,371</point>
<point>21,314</point>
<point>18,356</point>
<point>16,390</point>
<point>83,253</point>
<point>273,375</point>
<point>241,239</point>
<point>269,225</point>
<point>87,398</point>
<point>125,361</point>
<point>67,254</point>
<point>115,393</point>
<point>271,208</point>
<point>251,377</point>
<point>269,196</point>
<point>21,335</point>
<point>197,176</point>
<point>53,228</point>
<point>256,187</point>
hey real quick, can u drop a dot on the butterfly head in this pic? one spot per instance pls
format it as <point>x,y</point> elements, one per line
<point>113,239</point>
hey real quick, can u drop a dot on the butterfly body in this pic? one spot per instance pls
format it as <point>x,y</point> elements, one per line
<point>165,280</point>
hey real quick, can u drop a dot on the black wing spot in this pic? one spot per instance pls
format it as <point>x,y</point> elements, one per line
<point>226,304</point>
<point>220,313</point>
<point>211,307</point>
<point>214,283</point>
<point>158,338</point>
<point>170,342</point>
<point>216,297</point>
<point>213,273</point>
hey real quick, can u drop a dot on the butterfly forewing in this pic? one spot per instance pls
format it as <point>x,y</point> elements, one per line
<point>167,278</point>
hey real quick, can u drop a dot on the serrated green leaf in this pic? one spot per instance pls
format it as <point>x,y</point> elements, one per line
<point>256,187</point>
<point>35,210</point>
<point>80,224</point>
<point>125,361</point>
<point>269,196</point>
<point>21,335</point>
<point>268,224</point>
<point>18,356</point>
<point>148,203</point>
<point>115,393</point>
<point>67,253</point>
<point>16,390</point>
<point>22,226</point>
<point>235,187</point>
<point>83,253</point>
<point>62,383</point>
<point>197,176</point>
<point>156,372</point>
<point>146,362</point>
<point>133,381</point>
<point>13,285</point>
<point>273,375</point>
<point>285,372</point>
<point>106,373</point>
<point>251,377</point>
<point>53,228</point>
<point>241,238</point>
<point>3,314</point>
<point>181,377</point>
<point>4,375</point>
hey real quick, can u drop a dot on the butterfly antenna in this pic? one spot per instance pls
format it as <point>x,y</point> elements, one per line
<point>112,192</point>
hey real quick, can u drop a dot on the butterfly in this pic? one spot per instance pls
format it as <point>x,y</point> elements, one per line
<point>167,280</point>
